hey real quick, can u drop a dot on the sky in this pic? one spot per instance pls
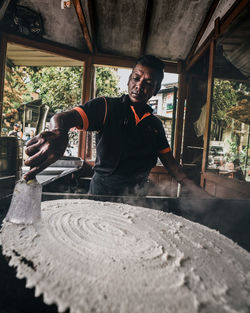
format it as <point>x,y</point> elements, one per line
<point>124,73</point>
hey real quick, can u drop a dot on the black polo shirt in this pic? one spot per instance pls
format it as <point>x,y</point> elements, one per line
<point>126,144</point>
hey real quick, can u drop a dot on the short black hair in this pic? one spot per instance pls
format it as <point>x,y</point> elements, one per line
<point>154,63</point>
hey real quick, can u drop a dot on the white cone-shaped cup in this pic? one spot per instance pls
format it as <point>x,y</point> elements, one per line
<point>25,207</point>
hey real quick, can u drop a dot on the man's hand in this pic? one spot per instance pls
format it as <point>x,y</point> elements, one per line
<point>44,149</point>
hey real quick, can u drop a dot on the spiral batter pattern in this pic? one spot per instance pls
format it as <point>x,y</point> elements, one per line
<point>93,256</point>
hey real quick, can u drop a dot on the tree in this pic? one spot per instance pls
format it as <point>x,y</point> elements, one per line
<point>224,97</point>
<point>106,82</point>
<point>58,87</point>
<point>230,110</point>
<point>16,91</point>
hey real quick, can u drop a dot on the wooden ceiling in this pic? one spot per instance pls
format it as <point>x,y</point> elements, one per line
<point>235,43</point>
<point>26,56</point>
<point>171,30</point>
<point>127,28</point>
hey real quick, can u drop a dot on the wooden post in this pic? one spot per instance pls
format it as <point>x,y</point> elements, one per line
<point>221,26</point>
<point>3,48</point>
<point>202,29</point>
<point>208,109</point>
<point>173,117</point>
<point>84,25</point>
<point>86,95</point>
<point>179,117</point>
<point>146,21</point>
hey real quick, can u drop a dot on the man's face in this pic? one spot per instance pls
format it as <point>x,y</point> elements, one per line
<point>142,84</point>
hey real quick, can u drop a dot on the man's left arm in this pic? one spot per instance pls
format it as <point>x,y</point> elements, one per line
<point>176,171</point>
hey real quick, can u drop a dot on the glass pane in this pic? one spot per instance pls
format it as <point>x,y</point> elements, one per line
<point>229,135</point>
<point>113,82</point>
<point>109,82</point>
<point>33,94</point>
<point>164,104</point>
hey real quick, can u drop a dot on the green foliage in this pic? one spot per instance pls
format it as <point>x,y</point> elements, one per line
<point>16,91</point>
<point>235,154</point>
<point>229,111</point>
<point>106,82</point>
<point>224,97</point>
<point>59,87</point>
<point>15,88</point>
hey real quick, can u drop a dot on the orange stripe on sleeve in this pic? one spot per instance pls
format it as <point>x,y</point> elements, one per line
<point>166,150</point>
<point>84,117</point>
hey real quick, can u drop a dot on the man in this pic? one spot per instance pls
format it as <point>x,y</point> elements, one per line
<point>16,132</point>
<point>129,140</point>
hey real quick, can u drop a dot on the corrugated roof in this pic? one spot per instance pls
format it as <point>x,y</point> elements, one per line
<point>128,28</point>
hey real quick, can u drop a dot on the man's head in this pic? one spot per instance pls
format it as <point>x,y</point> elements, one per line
<point>16,127</point>
<point>145,79</point>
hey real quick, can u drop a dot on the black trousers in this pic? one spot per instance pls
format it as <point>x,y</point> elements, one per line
<point>118,185</point>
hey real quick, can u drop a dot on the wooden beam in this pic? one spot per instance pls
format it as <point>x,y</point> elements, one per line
<point>49,46</point>
<point>208,109</point>
<point>232,14</point>
<point>180,67</point>
<point>88,79</point>
<point>3,47</point>
<point>182,91</point>
<point>217,28</point>
<point>98,59</point>
<point>221,26</point>
<point>58,49</point>
<point>92,16</point>
<point>147,20</point>
<point>83,23</point>
<point>172,67</point>
<point>174,117</point>
<point>86,95</point>
<point>82,144</point>
<point>201,51</point>
<point>112,60</point>
<point>118,61</point>
<point>203,28</point>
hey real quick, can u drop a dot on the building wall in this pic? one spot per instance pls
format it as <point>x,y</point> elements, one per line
<point>162,104</point>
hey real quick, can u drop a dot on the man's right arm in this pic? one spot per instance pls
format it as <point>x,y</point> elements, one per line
<point>47,147</point>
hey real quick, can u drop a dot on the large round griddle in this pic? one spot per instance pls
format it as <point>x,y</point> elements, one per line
<point>93,256</point>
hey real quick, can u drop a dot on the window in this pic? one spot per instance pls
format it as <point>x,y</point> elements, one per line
<point>154,105</point>
<point>229,136</point>
<point>37,85</point>
<point>109,82</point>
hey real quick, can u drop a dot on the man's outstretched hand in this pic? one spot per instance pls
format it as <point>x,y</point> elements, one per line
<point>43,150</point>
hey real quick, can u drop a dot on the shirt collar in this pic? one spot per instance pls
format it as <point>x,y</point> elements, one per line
<point>125,99</point>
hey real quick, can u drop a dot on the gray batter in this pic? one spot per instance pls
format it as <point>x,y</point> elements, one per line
<point>103,257</point>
